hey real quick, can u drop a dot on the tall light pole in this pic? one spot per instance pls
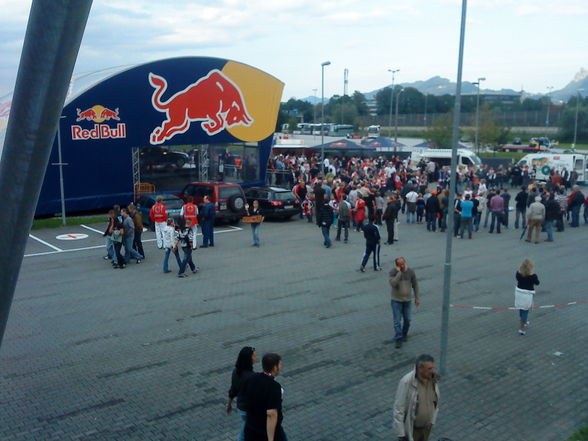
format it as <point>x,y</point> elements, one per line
<point>576,119</point>
<point>396,119</point>
<point>549,89</point>
<point>314,107</point>
<point>476,145</point>
<point>326,63</point>
<point>392,96</point>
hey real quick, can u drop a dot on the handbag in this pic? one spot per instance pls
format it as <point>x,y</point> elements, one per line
<point>116,236</point>
<point>523,298</point>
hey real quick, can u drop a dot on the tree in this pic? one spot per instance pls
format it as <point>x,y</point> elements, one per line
<point>490,132</point>
<point>360,103</point>
<point>568,123</point>
<point>439,133</point>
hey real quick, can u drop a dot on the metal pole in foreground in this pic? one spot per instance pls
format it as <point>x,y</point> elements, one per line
<point>476,143</point>
<point>391,98</point>
<point>453,173</point>
<point>322,164</point>
<point>52,41</point>
<point>61,164</point>
<point>396,119</point>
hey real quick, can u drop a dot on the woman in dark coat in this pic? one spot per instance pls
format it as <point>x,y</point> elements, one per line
<point>243,370</point>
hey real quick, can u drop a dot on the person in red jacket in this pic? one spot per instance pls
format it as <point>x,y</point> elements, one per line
<point>158,215</point>
<point>190,212</point>
<point>360,208</point>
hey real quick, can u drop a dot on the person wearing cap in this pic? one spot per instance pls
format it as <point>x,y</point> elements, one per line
<point>158,215</point>
<point>535,217</point>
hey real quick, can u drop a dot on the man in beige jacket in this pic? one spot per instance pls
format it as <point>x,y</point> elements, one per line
<point>417,401</point>
<point>535,217</point>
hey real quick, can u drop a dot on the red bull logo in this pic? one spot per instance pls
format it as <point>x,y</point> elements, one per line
<point>98,114</point>
<point>214,99</point>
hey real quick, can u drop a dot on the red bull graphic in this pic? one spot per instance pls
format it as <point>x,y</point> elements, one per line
<point>214,99</point>
<point>98,114</point>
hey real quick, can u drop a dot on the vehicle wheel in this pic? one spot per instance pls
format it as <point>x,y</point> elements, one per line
<point>236,203</point>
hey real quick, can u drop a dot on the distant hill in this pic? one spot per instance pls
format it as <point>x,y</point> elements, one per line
<point>580,81</point>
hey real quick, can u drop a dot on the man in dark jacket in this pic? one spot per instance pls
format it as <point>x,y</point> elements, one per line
<point>521,207</point>
<point>372,242</point>
<point>319,197</point>
<point>576,200</point>
<point>432,207</point>
<point>552,210</point>
<point>324,218</point>
<point>390,216</point>
<point>208,215</point>
<point>506,197</point>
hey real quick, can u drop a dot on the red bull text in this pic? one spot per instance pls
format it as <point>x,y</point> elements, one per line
<point>213,99</point>
<point>98,114</point>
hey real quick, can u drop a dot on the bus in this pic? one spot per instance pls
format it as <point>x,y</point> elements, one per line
<point>373,132</point>
<point>340,129</point>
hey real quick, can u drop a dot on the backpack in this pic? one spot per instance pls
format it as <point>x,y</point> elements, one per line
<point>344,211</point>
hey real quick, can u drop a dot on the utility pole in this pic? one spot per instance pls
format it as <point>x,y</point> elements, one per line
<point>392,97</point>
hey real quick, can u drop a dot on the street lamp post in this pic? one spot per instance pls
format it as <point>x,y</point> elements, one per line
<point>326,63</point>
<point>396,119</point>
<point>477,146</point>
<point>549,89</point>
<point>576,119</point>
<point>392,96</point>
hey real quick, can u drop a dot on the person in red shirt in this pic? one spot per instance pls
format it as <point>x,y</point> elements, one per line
<point>360,208</point>
<point>190,212</point>
<point>158,215</point>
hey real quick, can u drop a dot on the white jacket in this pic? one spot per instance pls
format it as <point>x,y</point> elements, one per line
<point>169,236</point>
<point>405,405</point>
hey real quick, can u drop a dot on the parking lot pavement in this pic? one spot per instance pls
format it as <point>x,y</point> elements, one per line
<point>96,353</point>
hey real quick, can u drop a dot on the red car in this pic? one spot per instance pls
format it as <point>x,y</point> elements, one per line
<point>228,199</point>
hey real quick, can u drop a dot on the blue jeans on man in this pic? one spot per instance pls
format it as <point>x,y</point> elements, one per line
<point>496,219</point>
<point>255,233</point>
<point>327,239</point>
<point>548,224</point>
<point>187,261</point>
<point>369,249</point>
<point>575,216</point>
<point>129,250</point>
<point>401,313</point>
<point>168,251</point>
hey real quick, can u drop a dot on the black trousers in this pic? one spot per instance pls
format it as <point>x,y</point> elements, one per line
<point>390,228</point>
<point>137,244</point>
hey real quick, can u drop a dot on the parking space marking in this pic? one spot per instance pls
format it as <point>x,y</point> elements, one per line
<point>92,229</point>
<point>511,308</point>
<point>59,250</point>
<point>45,243</point>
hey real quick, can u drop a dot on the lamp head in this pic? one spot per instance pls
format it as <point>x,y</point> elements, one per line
<point>326,63</point>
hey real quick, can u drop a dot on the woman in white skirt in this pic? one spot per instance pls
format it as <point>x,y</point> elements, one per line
<point>524,292</point>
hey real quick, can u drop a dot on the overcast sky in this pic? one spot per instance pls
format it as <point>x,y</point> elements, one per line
<point>513,43</point>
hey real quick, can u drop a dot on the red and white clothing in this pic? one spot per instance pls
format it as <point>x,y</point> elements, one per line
<point>189,212</point>
<point>158,215</point>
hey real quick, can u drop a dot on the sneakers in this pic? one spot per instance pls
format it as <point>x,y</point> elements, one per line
<point>527,324</point>
<point>138,261</point>
<point>378,268</point>
<point>362,269</point>
<point>521,332</point>
<point>181,276</point>
<point>107,258</point>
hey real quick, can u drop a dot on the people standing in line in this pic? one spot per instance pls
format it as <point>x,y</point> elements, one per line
<point>208,216</point>
<point>521,207</point>
<point>403,282</point>
<point>110,254</point>
<point>344,219</point>
<point>325,220</point>
<point>372,240</point>
<point>138,221</point>
<point>417,401</point>
<point>535,217</point>
<point>189,211</point>
<point>525,292</point>
<point>552,212</point>
<point>254,210</point>
<point>497,209</point>
<point>158,215</point>
<point>184,240</point>
<point>390,216</point>
<point>466,216</point>
<point>169,241</point>
<point>243,370</point>
<point>264,402</point>
<point>129,237</point>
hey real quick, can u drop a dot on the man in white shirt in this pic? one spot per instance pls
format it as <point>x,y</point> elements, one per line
<point>411,198</point>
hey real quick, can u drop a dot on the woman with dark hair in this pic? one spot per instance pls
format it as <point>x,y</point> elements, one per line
<point>243,370</point>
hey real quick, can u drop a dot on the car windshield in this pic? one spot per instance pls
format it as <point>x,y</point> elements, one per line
<point>173,204</point>
<point>283,195</point>
<point>227,192</point>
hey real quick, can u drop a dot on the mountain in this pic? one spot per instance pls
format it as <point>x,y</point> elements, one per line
<point>580,81</point>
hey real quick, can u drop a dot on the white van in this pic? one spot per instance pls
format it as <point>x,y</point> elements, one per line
<point>443,157</point>
<point>544,162</point>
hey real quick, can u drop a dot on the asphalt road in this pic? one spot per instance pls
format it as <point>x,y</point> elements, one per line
<point>92,353</point>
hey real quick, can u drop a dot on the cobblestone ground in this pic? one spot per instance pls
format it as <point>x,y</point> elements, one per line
<point>93,353</point>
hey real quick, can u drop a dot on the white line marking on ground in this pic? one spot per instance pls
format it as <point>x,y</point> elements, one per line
<point>91,229</point>
<point>45,243</point>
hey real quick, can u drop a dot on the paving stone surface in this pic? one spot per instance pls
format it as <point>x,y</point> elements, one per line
<point>92,353</point>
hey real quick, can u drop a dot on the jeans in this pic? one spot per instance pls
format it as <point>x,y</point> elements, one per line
<point>187,260</point>
<point>327,241</point>
<point>255,233</point>
<point>129,250</point>
<point>390,228</point>
<point>369,249</point>
<point>431,221</point>
<point>575,216</point>
<point>496,219</point>
<point>410,217</point>
<point>486,217</point>
<point>549,229</point>
<point>110,247</point>
<point>401,312</point>
<point>524,315</point>
<point>505,217</point>
<point>477,220</point>
<point>168,251</point>
<point>522,212</point>
<point>137,244</point>
<point>207,233</point>
<point>465,223</point>
<point>345,225</point>
<point>243,415</point>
